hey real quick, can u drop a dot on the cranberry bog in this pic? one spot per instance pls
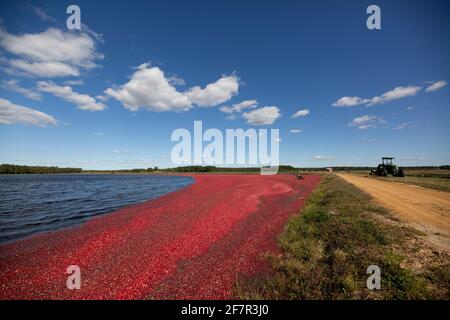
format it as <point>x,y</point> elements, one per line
<point>195,243</point>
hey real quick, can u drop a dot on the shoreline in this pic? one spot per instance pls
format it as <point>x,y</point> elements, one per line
<point>67,200</point>
<point>190,243</point>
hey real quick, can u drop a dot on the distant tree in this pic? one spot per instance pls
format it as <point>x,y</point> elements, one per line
<point>17,169</point>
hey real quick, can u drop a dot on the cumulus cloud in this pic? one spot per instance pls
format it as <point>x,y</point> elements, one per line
<point>262,116</point>
<point>82,101</point>
<point>394,94</point>
<point>13,85</point>
<point>214,93</point>
<point>11,113</point>
<point>43,69</point>
<point>296,130</point>
<point>150,89</point>
<point>367,121</point>
<point>52,53</point>
<point>176,81</point>
<point>301,113</point>
<point>349,102</point>
<point>238,107</point>
<point>436,86</point>
<point>226,109</point>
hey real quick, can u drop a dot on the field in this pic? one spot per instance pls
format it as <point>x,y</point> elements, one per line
<point>216,239</point>
<point>328,247</point>
<point>190,244</point>
<point>427,210</point>
<point>434,179</point>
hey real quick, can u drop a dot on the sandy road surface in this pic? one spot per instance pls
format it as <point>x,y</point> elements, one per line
<point>426,209</point>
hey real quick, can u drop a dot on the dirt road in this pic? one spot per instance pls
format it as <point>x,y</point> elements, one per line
<point>428,210</point>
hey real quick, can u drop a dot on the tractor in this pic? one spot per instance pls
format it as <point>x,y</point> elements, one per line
<point>387,167</point>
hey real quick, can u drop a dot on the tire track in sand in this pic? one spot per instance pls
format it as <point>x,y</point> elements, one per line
<point>426,209</point>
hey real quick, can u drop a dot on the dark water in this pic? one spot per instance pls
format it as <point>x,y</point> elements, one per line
<point>35,203</point>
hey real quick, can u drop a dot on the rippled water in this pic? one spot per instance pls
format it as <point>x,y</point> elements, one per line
<point>34,203</point>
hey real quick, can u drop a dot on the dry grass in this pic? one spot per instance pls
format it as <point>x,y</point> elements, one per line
<point>433,179</point>
<point>327,249</point>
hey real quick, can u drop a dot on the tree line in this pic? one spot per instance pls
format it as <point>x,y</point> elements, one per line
<point>19,169</point>
<point>16,169</point>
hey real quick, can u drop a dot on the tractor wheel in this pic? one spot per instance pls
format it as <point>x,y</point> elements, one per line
<point>384,172</point>
<point>401,173</point>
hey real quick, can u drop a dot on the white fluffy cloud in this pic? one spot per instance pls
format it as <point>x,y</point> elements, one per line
<point>394,94</point>
<point>11,113</point>
<point>150,89</point>
<point>262,116</point>
<point>82,101</point>
<point>214,93</point>
<point>226,109</point>
<point>44,69</point>
<point>301,113</point>
<point>367,121</point>
<point>436,86</point>
<point>349,102</point>
<point>238,107</point>
<point>52,53</point>
<point>14,85</point>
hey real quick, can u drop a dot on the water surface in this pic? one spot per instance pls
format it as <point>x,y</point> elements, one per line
<point>33,203</point>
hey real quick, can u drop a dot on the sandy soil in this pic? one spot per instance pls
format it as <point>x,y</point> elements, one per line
<point>425,209</point>
<point>193,243</point>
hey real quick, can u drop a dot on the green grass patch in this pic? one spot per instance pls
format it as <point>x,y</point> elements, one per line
<point>328,247</point>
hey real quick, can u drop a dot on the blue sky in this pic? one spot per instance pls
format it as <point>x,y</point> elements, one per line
<point>110,95</point>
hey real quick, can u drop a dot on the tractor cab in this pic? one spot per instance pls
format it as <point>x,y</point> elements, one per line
<point>387,161</point>
<point>387,167</point>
